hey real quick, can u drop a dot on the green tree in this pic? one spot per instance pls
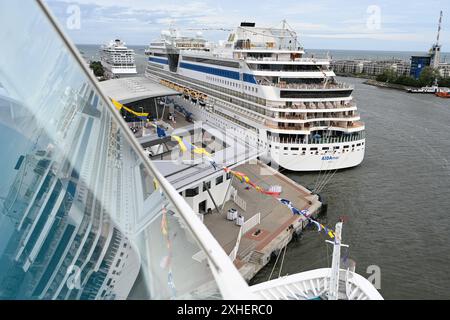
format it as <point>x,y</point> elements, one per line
<point>428,76</point>
<point>97,67</point>
<point>388,75</point>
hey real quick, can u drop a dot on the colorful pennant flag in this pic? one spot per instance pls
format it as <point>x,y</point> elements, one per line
<point>180,143</point>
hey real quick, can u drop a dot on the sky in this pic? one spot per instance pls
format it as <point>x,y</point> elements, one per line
<point>320,24</point>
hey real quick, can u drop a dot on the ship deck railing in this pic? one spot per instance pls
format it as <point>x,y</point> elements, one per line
<point>325,140</point>
<point>302,116</point>
<point>303,86</point>
<point>311,126</point>
<point>317,106</point>
<point>271,59</point>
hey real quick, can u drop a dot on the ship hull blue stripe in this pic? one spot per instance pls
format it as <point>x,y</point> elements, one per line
<point>214,71</point>
<point>158,60</point>
<point>218,72</point>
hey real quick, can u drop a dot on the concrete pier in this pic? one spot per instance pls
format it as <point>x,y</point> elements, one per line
<point>277,223</point>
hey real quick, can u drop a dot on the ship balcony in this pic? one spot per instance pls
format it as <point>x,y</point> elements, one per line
<point>319,124</point>
<point>328,86</point>
<point>306,74</point>
<point>313,106</point>
<point>273,60</point>
<point>321,117</point>
<point>304,86</point>
<point>323,140</point>
<point>323,105</point>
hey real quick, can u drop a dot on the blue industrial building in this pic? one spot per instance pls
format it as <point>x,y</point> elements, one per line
<point>418,63</point>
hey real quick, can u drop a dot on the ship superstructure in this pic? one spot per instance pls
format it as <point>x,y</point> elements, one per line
<point>118,59</point>
<point>260,85</point>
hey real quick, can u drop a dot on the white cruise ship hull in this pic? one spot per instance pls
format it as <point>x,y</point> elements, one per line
<point>297,157</point>
<point>322,161</point>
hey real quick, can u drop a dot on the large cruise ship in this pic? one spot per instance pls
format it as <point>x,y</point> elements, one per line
<point>260,85</point>
<point>117,59</point>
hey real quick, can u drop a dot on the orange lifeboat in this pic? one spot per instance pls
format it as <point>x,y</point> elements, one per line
<point>443,94</point>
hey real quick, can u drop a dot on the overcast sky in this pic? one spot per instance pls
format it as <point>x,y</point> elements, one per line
<point>321,24</point>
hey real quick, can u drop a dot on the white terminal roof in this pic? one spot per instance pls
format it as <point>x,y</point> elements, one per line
<point>184,175</point>
<point>127,90</point>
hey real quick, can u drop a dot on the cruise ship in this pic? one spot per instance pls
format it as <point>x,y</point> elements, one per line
<point>259,85</point>
<point>117,59</point>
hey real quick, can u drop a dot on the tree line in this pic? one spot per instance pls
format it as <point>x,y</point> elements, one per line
<point>427,78</point>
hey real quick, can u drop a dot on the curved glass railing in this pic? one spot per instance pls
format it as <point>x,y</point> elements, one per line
<point>83,214</point>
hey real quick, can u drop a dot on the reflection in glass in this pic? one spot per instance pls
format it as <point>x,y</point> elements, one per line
<point>80,215</point>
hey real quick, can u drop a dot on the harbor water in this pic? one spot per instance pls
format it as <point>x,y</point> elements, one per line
<point>396,204</point>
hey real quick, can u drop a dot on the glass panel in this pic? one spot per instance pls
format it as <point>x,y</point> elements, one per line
<point>80,215</point>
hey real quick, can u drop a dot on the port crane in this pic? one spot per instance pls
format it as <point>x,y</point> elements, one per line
<point>435,50</point>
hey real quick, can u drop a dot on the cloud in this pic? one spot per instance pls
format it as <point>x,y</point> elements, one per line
<point>140,21</point>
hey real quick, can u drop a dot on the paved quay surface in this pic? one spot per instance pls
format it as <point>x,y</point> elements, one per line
<point>274,233</point>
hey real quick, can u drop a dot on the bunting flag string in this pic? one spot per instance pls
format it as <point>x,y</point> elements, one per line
<point>119,106</point>
<point>305,213</point>
<point>185,146</point>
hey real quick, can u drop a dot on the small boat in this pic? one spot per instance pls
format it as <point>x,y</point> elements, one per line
<point>443,93</point>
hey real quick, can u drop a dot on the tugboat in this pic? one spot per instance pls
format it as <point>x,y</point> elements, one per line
<point>443,93</point>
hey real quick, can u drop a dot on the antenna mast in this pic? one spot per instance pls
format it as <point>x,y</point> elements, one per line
<point>439,29</point>
<point>333,290</point>
<point>436,48</point>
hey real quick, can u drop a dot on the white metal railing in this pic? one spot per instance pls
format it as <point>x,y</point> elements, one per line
<point>318,61</point>
<point>304,86</point>
<point>250,223</point>
<point>239,201</point>
<point>227,277</point>
<point>233,253</point>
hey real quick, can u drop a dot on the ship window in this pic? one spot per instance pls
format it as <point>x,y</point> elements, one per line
<point>191,192</point>
<point>313,149</point>
<point>294,149</point>
<point>206,186</point>
<point>219,180</point>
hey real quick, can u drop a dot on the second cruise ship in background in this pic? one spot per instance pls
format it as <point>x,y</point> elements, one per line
<point>260,85</point>
<point>118,60</point>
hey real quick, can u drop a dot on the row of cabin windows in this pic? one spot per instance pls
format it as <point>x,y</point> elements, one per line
<point>317,149</point>
<point>207,185</point>
<point>232,84</point>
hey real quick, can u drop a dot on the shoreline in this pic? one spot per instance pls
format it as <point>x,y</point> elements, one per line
<point>386,85</point>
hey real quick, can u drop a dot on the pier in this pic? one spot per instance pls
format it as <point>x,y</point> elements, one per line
<point>268,226</point>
